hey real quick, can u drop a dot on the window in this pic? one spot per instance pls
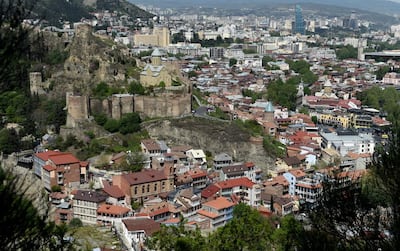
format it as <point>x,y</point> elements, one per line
<point>135,192</point>
<point>148,188</point>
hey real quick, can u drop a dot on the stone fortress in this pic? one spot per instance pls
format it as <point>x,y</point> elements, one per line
<point>166,101</point>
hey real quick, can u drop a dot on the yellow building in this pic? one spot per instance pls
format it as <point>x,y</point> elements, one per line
<point>330,119</point>
<point>155,73</point>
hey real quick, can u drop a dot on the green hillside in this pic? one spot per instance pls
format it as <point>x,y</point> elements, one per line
<point>55,11</point>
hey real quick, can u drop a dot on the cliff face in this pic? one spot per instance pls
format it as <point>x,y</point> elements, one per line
<point>213,136</point>
<point>91,60</point>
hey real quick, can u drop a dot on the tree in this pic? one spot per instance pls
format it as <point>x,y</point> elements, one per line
<point>130,123</point>
<point>112,125</point>
<point>56,188</point>
<point>232,62</point>
<point>289,235</point>
<point>22,227</point>
<point>246,226</point>
<point>9,141</point>
<point>177,238</point>
<point>75,223</point>
<point>386,169</point>
<point>136,88</point>
<point>14,44</point>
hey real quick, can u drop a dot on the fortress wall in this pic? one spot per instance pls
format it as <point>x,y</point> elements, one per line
<point>96,106</point>
<point>77,109</point>
<point>163,106</point>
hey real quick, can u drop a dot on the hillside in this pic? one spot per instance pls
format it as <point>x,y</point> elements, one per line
<point>213,136</point>
<point>74,10</point>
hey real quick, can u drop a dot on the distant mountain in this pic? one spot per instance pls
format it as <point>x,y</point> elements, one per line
<point>379,6</point>
<point>73,10</point>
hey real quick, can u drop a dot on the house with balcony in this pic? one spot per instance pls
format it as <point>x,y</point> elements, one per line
<point>243,189</point>
<point>86,203</point>
<point>108,214</point>
<point>293,176</point>
<point>153,148</point>
<point>189,200</point>
<point>199,178</point>
<point>62,169</point>
<point>222,160</point>
<point>308,189</point>
<point>248,169</point>
<point>219,211</point>
<point>160,210</point>
<point>136,230</point>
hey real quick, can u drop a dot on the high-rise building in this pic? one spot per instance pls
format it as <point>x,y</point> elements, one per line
<point>299,21</point>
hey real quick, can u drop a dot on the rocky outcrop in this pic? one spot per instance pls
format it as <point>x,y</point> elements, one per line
<point>213,136</point>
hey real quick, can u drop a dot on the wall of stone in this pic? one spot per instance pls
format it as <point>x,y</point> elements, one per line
<point>163,106</point>
<point>121,104</point>
<point>36,84</point>
<point>77,107</point>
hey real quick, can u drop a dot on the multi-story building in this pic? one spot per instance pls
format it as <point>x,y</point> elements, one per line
<point>60,169</point>
<point>334,120</point>
<point>218,211</point>
<point>247,169</point>
<point>137,230</point>
<point>243,189</point>
<point>109,214</point>
<point>141,185</point>
<point>308,189</point>
<point>345,141</point>
<point>85,205</point>
<point>221,160</point>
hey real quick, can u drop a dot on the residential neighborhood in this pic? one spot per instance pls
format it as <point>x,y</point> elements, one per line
<point>312,100</point>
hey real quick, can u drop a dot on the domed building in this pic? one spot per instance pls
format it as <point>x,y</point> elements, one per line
<point>327,91</point>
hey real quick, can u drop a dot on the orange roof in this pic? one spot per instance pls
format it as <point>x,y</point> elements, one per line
<point>197,173</point>
<point>278,180</point>
<point>49,168</point>
<point>243,181</point>
<point>298,173</point>
<point>112,209</point>
<point>209,191</point>
<point>207,214</point>
<point>219,203</point>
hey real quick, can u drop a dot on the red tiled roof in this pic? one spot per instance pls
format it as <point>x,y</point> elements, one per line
<point>63,159</point>
<point>113,191</point>
<point>209,191</point>
<point>197,173</point>
<point>144,177</point>
<point>112,210</point>
<point>243,181</point>
<point>49,168</point>
<point>219,203</point>
<point>45,155</point>
<point>207,214</point>
<point>150,144</point>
